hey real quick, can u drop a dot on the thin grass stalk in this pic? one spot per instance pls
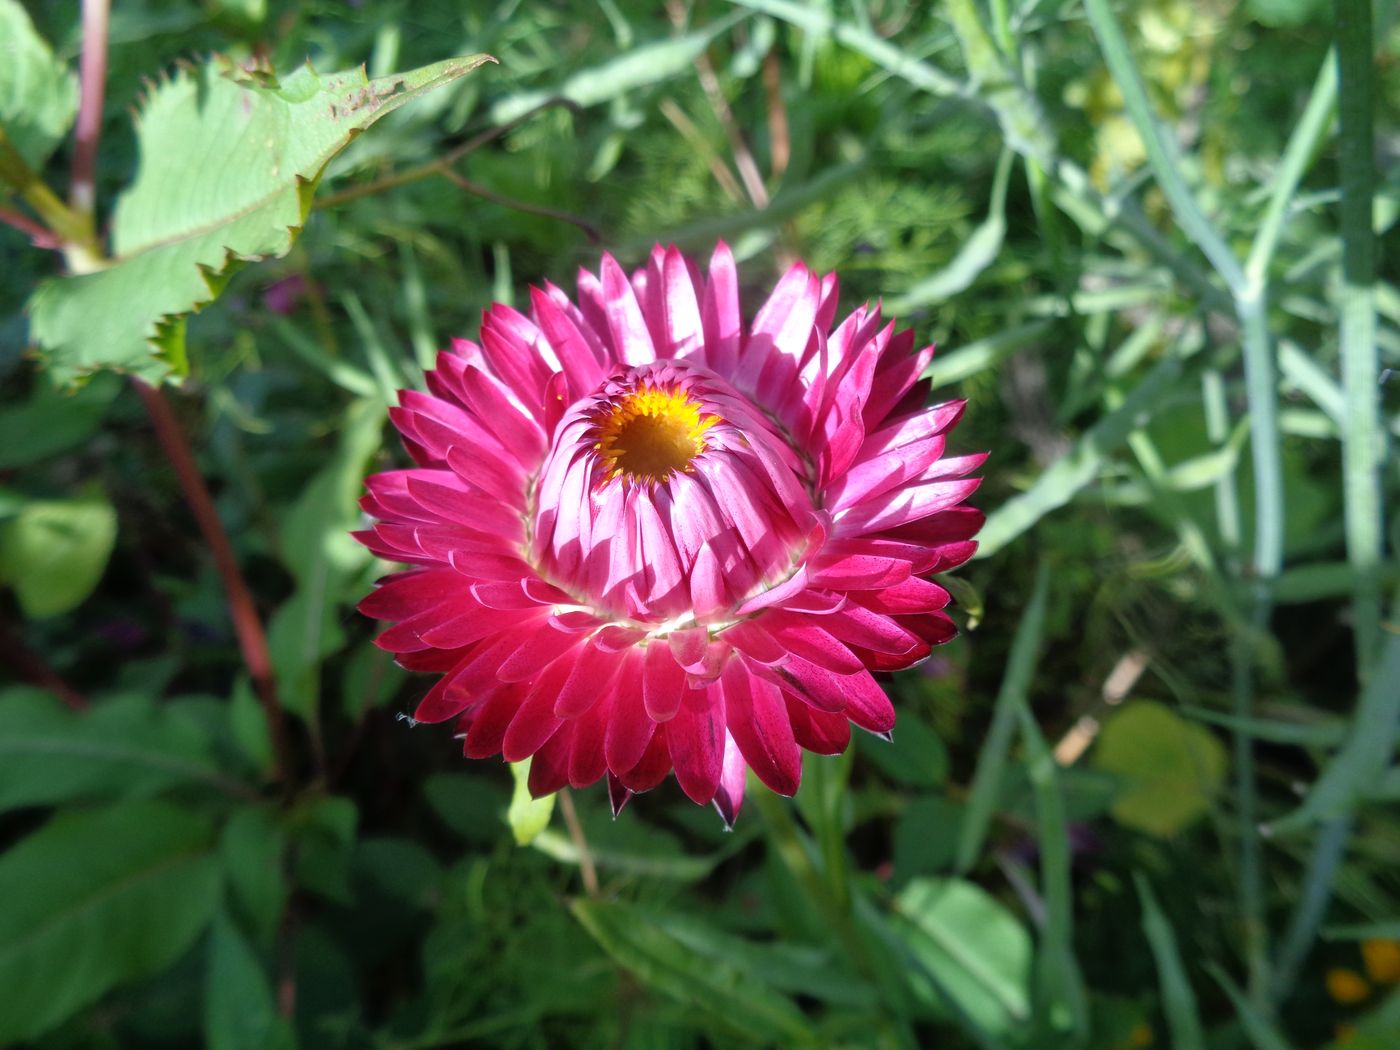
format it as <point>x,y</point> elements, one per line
<point>1328,851</point>
<point>1178,1000</point>
<point>1361,434</point>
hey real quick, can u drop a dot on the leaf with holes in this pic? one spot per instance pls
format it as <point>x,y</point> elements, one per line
<point>229,164</point>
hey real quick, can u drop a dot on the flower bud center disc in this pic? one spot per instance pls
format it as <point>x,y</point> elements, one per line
<point>650,434</point>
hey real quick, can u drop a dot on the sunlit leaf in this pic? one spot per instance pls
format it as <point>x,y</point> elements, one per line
<point>38,93</point>
<point>975,950</point>
<point>53,553</point>
<point>1172,768</point>
<point>251,151</point>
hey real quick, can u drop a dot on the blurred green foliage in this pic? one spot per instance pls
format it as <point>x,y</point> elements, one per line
<point>1028,864</point>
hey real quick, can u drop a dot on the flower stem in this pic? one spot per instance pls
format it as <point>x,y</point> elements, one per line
<point>586,869</point>
<point>252,641</point>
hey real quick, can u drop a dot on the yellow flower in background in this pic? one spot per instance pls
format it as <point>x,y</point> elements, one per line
<point>1346,986</point>
<point>1382,960</point>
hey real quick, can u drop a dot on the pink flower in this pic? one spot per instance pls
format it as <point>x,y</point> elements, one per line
<point>645,537</point>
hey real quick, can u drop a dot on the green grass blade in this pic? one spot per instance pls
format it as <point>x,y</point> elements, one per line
<point>1261,1032</point>
<point>991,762</point>
<point>1178,1000</point>
<point>1327,855</point>
<point>967,361</point>
<point>1361,435</point>
<point>1363,759</point>
<point>1078,467</point>
<point>813,19</point>
<point>1161,150</point>
<point>977,253</point>
<point>1060,981</point>
<point>1297,155</point>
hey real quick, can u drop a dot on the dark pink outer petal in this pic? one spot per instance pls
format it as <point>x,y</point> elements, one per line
<point>762,729</point>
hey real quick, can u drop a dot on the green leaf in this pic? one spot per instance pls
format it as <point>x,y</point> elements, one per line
<point>38,93</point>
<point>1172,767</point>
<point>252,153</point>
<point>53,420</point>
<point>977,951</point>
<point>247,722</point>
<point>470,804</point>
<point>128,746</point>
<point>916,756</point>
<point>240,1011</point>
<point>325,838</point>
<point>527,816</point>
<point>731,994</point>
<point>253,850</point>
<point>926,836</point>
<point>639,67</point>
<point>96,899</point>
<point>318,551</point>
<point>53,553</point>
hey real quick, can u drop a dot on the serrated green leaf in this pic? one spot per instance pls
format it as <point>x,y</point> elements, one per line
<point>250,155</point>
<point>38,93</point>
<point>121,748</point>
<point>976,949</point>
<point>240,1011</point>
<point>96,899</point>
<point>53,553</point>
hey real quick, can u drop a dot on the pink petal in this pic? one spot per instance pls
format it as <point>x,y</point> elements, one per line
<point>695,738</point>
<point>653,766</point>
<point>820,732</point>
<point>911,504</point>
<point>490,722</point>
<point>729,795</point>
<point>911,597</point>
<point>663,683</point>
<point>549,766</point>
<point>858,626</point>
<point>535,721</point>
<point>587,761</point>
<point>720,313</point>
<point>868,706</point>
<point>806,638</point>
<point>591,677</point>
<point>630,337</point>
<point>629,728</point>
<point>758,719</point>
<point>859,572</point>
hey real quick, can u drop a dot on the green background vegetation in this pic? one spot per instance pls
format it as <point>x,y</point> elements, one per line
<point>1146,797</point>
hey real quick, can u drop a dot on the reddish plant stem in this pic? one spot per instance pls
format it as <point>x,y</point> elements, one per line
<point>39,234</point>
<point>252,641</point>
<point>82,186</point>
<point>29,665</point>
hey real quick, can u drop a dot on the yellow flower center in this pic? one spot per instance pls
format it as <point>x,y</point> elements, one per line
<point>650,434</point>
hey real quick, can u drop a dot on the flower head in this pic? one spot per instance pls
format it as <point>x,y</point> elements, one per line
<point>645,537</point>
